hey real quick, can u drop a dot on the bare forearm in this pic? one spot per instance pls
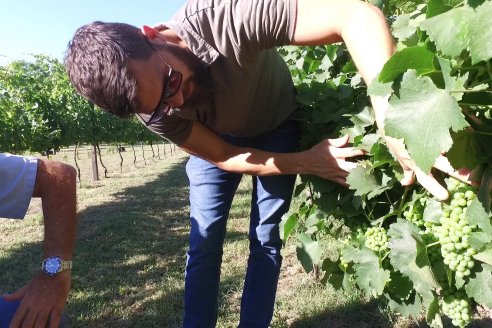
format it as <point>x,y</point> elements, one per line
<point>257,162</point>
<point>56,185</point>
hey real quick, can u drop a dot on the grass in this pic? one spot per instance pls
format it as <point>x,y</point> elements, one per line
<point>130,255</point>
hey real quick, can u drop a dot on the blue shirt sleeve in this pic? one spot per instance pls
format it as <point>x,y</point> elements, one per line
<point>17,179</point>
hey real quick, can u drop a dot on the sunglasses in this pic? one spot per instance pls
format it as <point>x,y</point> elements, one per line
<point>172,83</point>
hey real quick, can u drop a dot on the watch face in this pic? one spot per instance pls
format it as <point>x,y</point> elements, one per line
<point>52,265</point>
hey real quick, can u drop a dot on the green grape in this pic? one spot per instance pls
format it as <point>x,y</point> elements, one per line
<point>433,252</point>
<point>415,213</point>
<point>376,239</point>
<point>454,230</point>
<point>343,262</point>
<point>457,306</point>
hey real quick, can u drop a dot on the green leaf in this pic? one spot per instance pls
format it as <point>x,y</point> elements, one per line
<point>423,116</point>
<point>432,211</point>
<point>432,315</point>
<point>485,256</point>
<point>411,308</point>
<point>377,88</point>
<point>417,58</point>
<point>453,39</point>
<point>402,28</point>
<point>399,287</point>
<point>287,225</point>
<point>452,83</point>
<point>436,7</point>
<point>476,214</point>
<point>481,33</point>
<point>408,255</point>
<point>308,252</point>
<point>478,240</point>
<point>464,152</point>
<point>480,286</point>
<point>370,276</point>
<point>362,180</point>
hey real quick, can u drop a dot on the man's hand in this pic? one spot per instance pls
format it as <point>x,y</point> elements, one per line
<point>43,300</point>
<point>328,159</point>
<point>411,170</point>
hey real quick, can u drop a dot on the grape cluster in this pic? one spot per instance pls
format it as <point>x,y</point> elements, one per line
<point>415,213</point>
<point>457,307</point>
<point>433,251</point>
<point>454,230</point>
<point>376,239</point>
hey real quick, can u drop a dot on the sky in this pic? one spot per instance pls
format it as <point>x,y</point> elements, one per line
<point>45,26</point>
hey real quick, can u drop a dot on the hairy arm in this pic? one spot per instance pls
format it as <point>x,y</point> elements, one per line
<point>44,297</point>
<point>327,159</point>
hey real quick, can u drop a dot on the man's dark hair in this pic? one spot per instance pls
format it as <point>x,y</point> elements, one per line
<point>97,64</point>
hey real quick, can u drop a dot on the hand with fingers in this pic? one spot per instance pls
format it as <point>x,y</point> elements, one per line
<point>329,159</point>
<point>427,180</point>
<point>41,301</point>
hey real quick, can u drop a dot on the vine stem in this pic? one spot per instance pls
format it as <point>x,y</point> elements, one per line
<point>403,198</point>
<point>469,91</point>
<point>433,244</point>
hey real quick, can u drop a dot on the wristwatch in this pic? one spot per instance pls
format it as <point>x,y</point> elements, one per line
<point>52,265</point>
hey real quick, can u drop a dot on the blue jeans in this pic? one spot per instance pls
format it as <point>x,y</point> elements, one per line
<point>8,309</point>
<point>211,194</point>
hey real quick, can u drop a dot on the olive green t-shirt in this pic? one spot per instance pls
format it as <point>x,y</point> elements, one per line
<point>252,86</point>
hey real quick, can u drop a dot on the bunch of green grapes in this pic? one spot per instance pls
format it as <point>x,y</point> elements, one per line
<point>457,307</point>
<point>433,250</point>
<point>454,230</point>
<point>415,213</point>
<point>376,239</point>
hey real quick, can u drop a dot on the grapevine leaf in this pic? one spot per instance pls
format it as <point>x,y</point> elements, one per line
<point>476,215</point>
<point>432,315</point>
<point>436,7</point>
<point>402,28</point>
<point>452,83</point>
<point>308,252</point>
<point>362,181</point>
<point>369,275</point>
<point>417,58</point>
<point>478,239</point>
<point>432,211</point>
<point>485,256</point>
<point>464,151</point>
<point>453,39</point>
<point>481,30</point>
<point>408,255</point>
<point>480,286</point>
<point>399,287</point>
<point>423,116</point>
<point>410,308</point>
<point>377,88</point>
<point>287,225</point>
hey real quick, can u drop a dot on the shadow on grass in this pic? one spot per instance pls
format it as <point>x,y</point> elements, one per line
<point>131,256</point>
<point>368,315</point>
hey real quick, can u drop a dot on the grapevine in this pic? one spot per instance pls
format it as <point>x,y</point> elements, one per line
<point>422,257</point>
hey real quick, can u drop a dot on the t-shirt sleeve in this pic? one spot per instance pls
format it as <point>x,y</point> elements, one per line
<point>17,179</point>
<point>240,28</point>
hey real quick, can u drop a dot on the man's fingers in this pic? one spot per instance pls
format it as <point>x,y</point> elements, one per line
<point>442,164</point>
<point>339,142</point>
<point>408,178</point>
<point>430,183</point>
<point>18,294</point>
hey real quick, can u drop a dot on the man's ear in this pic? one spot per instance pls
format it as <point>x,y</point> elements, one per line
<point>149,32</point>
